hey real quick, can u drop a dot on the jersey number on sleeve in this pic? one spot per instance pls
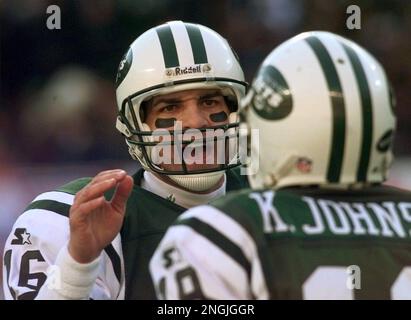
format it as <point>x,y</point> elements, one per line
<point>29,280</point>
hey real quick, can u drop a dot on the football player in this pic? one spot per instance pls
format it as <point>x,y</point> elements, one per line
<point>318,222</point>
<point>93,238</point>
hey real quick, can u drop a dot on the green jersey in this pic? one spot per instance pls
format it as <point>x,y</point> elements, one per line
<point>43,229</point>
<point>295,243</point>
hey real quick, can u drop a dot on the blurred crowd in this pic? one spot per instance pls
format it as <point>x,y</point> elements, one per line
<point>57,101</point>
<point>57,95</point>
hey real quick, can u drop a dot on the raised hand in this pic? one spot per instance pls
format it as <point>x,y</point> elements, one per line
<point>94,221</point>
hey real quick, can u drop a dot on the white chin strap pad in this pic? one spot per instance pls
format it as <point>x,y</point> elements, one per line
<point>198,182</point>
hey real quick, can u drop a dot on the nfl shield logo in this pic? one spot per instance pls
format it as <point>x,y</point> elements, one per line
<point>304,165</point>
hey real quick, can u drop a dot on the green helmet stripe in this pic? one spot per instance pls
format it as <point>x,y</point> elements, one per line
<point>223,243</point>
<point>168,46</point>
<point>367,114</point>
<point>197,43</point>
<point>338,108</point>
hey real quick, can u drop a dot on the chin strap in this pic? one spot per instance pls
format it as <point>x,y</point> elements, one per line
<point>198,182</point>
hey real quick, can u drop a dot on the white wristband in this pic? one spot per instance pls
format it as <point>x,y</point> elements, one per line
<point>76,279</point>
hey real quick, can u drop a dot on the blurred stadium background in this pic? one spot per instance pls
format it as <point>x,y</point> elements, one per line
<point>57,100</point>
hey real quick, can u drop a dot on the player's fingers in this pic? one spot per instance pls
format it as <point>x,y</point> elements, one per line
<point>117,174</point>
<point>110,174</point>
<point>88,207</point>
<point>94,190</point>
<point>122,193</point>
<point>102,173</point>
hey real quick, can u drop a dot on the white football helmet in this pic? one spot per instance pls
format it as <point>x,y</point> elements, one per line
<point>325,114</point>
<point>173,57</point>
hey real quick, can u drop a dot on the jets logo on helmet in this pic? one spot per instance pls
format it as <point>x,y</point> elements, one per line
<point>340,114</point>
<point>272,98</point>
<point>124,67</point>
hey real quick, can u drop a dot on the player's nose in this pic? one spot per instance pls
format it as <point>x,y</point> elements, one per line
<point>195,117</point>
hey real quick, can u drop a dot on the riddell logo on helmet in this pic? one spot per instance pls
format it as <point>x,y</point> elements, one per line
<point>179,71</point>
